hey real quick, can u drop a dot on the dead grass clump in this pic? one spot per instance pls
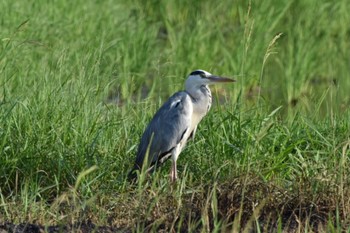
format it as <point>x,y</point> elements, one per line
<point>244,204</point>
<point>237,204</point>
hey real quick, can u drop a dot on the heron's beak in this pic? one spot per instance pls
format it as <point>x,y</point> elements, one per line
<point>218,79</point>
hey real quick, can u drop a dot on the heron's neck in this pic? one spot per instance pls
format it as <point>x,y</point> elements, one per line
<point>201,96</point>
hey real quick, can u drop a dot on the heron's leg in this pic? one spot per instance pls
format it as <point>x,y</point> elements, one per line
<point>193,133</point>
<point>174,155</point>
<point>173,172</point>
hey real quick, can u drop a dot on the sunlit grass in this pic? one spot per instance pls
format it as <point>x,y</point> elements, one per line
<point>80,81</point>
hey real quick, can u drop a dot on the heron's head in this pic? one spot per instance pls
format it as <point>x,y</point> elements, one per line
<point>201,77</point>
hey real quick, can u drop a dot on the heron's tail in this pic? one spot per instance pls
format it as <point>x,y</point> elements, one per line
<point>132,176</point>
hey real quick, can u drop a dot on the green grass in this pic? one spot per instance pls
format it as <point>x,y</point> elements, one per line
<point>79,81</point>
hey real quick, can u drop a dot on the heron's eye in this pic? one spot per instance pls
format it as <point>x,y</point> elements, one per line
<point>202,75</point>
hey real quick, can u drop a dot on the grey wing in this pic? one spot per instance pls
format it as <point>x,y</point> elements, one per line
<point>166,129</point>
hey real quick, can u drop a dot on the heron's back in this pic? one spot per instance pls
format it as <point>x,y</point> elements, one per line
<point>166,130</point>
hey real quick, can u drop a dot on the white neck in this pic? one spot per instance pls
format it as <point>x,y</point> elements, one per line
<point>201,97</point>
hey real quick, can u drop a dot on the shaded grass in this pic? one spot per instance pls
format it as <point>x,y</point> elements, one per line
<point>79,82</point>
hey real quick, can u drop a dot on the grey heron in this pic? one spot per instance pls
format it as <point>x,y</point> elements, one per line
<point>175,123</point>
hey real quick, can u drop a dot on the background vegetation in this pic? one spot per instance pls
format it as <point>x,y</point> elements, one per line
<point>79,81</point>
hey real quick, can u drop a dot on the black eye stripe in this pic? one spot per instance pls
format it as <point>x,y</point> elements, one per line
<point>198,72</point>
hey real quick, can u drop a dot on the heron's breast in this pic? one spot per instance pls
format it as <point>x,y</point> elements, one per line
<point>196,118</point>
<point>201,109</point>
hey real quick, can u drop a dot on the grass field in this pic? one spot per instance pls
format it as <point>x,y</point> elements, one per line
<point>80,80</point>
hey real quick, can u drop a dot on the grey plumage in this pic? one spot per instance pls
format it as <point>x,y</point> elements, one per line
<point>173,118</point>
<point>175,122</point>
